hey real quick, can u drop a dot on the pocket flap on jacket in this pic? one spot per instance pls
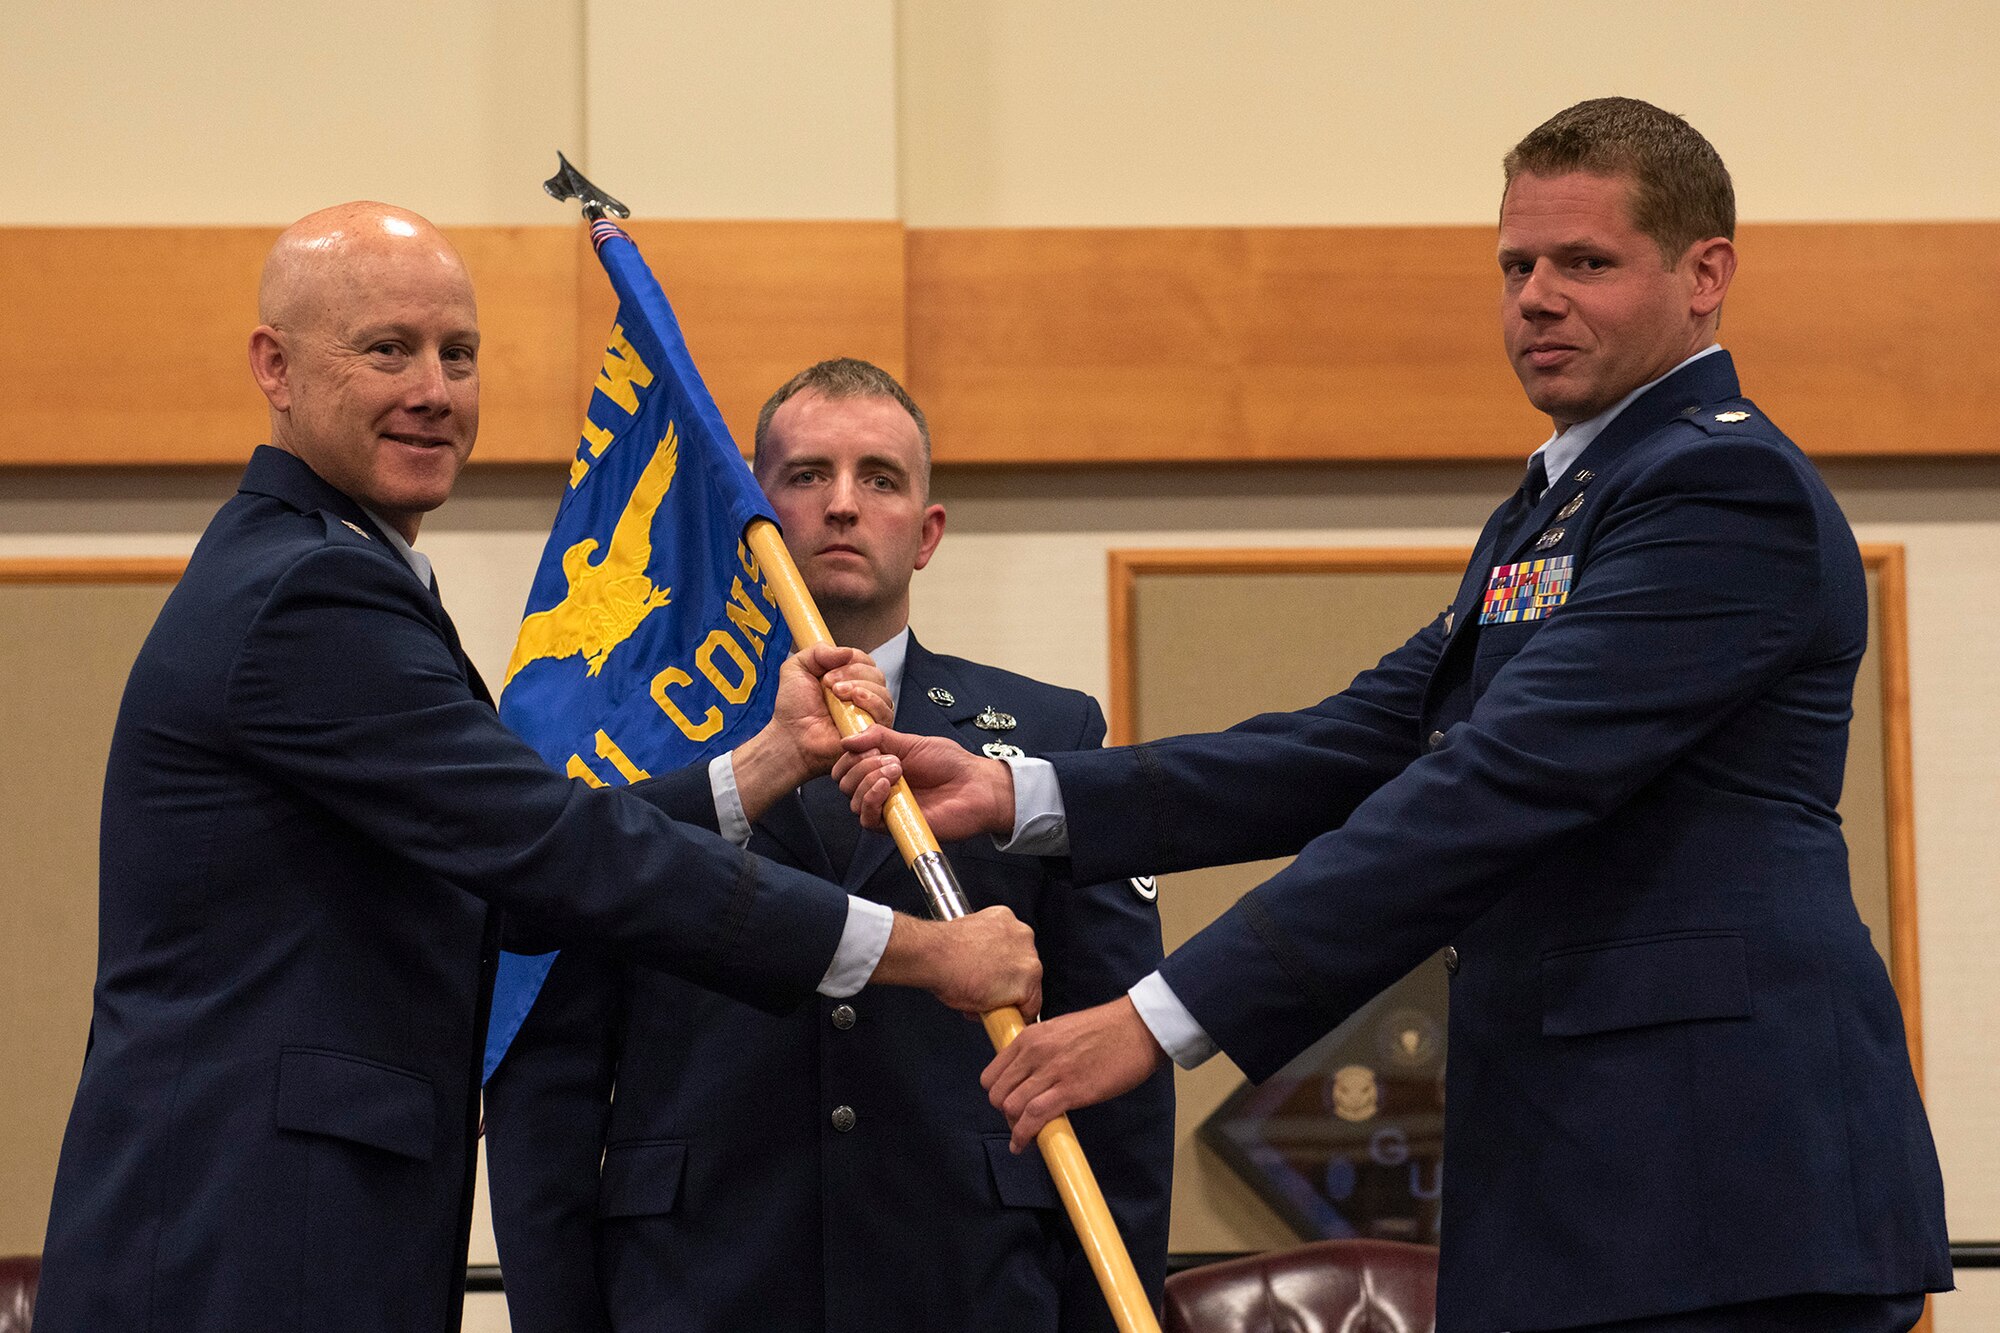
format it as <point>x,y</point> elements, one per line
<point>1023,1181</point>
<point>1637,983</point>
<point>363,1101</point>
<point>640,1179</point>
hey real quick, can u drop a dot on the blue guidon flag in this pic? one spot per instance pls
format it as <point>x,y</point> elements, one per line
<point>650,639</point>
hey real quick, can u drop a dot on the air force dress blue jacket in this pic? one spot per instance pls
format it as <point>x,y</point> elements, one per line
<point>1606,777</point>
<point>838,1168</point>
<point>309,810</point>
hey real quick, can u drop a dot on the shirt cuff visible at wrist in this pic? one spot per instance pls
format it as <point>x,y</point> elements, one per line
<point>1170,1023</point>
<point>730,820</point>
<point>862,941</point>
<point>1041,824</point>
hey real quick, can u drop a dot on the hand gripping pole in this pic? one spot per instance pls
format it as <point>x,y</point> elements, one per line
<point>1081,1197</point>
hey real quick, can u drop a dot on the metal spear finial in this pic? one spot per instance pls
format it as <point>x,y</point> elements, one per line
<point>569,183</point>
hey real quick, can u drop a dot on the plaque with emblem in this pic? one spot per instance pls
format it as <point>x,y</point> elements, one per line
<point>1348,1139</point>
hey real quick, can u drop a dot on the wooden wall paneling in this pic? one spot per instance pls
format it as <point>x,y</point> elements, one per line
<point>1871,339</point>
<point>530,342</point>
<point>129,344</point>
<point>1210,344</point>
<point>1232,344</point>
<point>1027,346</point>
<point>758,302</point>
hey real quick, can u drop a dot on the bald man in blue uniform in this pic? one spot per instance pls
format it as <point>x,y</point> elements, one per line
<point>311,815</point>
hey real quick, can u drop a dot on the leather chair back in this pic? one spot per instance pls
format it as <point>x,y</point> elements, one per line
<point>1328,1286</point>
<point>20,1274</point>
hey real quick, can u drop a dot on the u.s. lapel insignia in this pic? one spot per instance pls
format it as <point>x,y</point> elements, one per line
<point>990,720</point>
<point>1583,474</point>
<point>940,696</point>
<point>1575,503</point>
<point>1549,538</point>
<point>1732,417</point>
<point>1146,887</point>
<point>359,531</point>
<point>1002,750</point>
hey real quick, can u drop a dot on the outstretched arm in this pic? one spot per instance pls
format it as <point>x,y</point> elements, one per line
<point>1074,1060</point>
<point>960,793</point>
<point>976,964</point>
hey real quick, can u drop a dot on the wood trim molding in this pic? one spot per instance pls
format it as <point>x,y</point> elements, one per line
<point>1027,346</point>
<point>1892,641</point>
<point>1126,567</point>
<point>1206,345</point>
<point>126,346</point>
<point>92,569</point>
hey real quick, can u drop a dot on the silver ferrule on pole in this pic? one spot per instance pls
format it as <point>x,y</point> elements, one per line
<point>940,886</point>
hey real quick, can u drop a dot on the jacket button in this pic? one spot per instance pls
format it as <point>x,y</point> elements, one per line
<point>843,1016</point>
<point>1436,739</point>
<point>1451,959</point>
<point>843,1118</point>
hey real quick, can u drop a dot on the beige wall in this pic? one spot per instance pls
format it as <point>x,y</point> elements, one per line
<point>1035,113</point>
<point>1044,113</point>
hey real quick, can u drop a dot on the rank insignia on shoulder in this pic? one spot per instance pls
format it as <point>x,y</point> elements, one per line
<point>1732,417</point>
<point>358,530</point>
<point>1002,750</point>
<point>940,696</point>
<point>1549,538</point>
<point>991,720</point>
<point>1147,887</point>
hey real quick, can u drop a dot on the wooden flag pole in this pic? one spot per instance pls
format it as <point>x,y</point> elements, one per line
<point>1081,1196</point>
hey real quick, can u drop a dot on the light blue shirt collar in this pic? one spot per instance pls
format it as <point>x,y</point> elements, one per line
<point>419,563</point>
<point>1564,447</point>
<point>890,657</point>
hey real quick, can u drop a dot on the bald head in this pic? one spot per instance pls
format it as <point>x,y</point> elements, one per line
<point>367,350</point>
<point>331,248</point>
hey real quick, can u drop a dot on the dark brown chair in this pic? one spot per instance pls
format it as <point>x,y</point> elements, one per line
<point>1329,1286</point>
<point>19,1276</point>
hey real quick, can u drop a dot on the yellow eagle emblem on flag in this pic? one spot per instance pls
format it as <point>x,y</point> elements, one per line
<point>607,600</point>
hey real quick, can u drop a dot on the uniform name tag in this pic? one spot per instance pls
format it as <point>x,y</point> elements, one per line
<point>1526,591</point>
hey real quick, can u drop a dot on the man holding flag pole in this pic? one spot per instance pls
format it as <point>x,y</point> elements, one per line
<point>755,1171</point>
<point>647,329</point>
<point>1604,783</point>
<point>310,807</point>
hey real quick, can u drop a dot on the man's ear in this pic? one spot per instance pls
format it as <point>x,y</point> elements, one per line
<point>271,366</point>
<point>933,534</point>
<point>1711,264</point>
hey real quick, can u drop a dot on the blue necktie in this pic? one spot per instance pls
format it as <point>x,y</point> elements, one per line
<point>1536,484</point>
